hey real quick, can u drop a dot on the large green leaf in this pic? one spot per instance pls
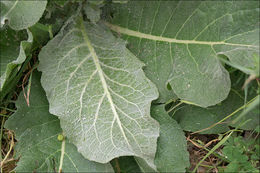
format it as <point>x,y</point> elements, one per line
<point>171,154</point>
<point>98,89</point>
<point>21,14</point>
<point>179,41</point>
<point>36,131</point>
<point>13,46</point>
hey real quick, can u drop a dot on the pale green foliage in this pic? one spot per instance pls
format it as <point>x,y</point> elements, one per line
<point>101,86</point>
<point>37,131</point>
<point>100,93</point>
<point>21,14</point>
<point>179,41</point>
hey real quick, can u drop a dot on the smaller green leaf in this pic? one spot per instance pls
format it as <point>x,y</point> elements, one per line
<point>36,131</point>
<point>241,154</point>
<point>21,14</point>
<point>171,154</point>
<point>233,153</point>
<point>13,51</point>
<point>40,34</point>
<point>232,167</point>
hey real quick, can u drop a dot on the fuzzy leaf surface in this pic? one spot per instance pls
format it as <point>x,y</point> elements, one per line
<point>179,41</point>
<point>36,131</point>
<point>98,89</point>
<point>21,14</point>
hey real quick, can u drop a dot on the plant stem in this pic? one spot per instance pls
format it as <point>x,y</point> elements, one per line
<point>50,31</point>
<point>205,148</point>
<point>8,153</point>
<point>1,136</point>
<point>251,106</point>
<point>62,155</point>
<point>117,166</point>
<point>3,115</point>
<point>12,83</point>
<point>212,150</point>
<point>174,107</point>
<point>218,145</point>
<point>11,110</point>
<point>237,110</point>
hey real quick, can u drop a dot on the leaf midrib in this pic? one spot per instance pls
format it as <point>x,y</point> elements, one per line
<point>133,33</point>
<point>102,78</point>
<point>56,151</point>
<point>11,9</point>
